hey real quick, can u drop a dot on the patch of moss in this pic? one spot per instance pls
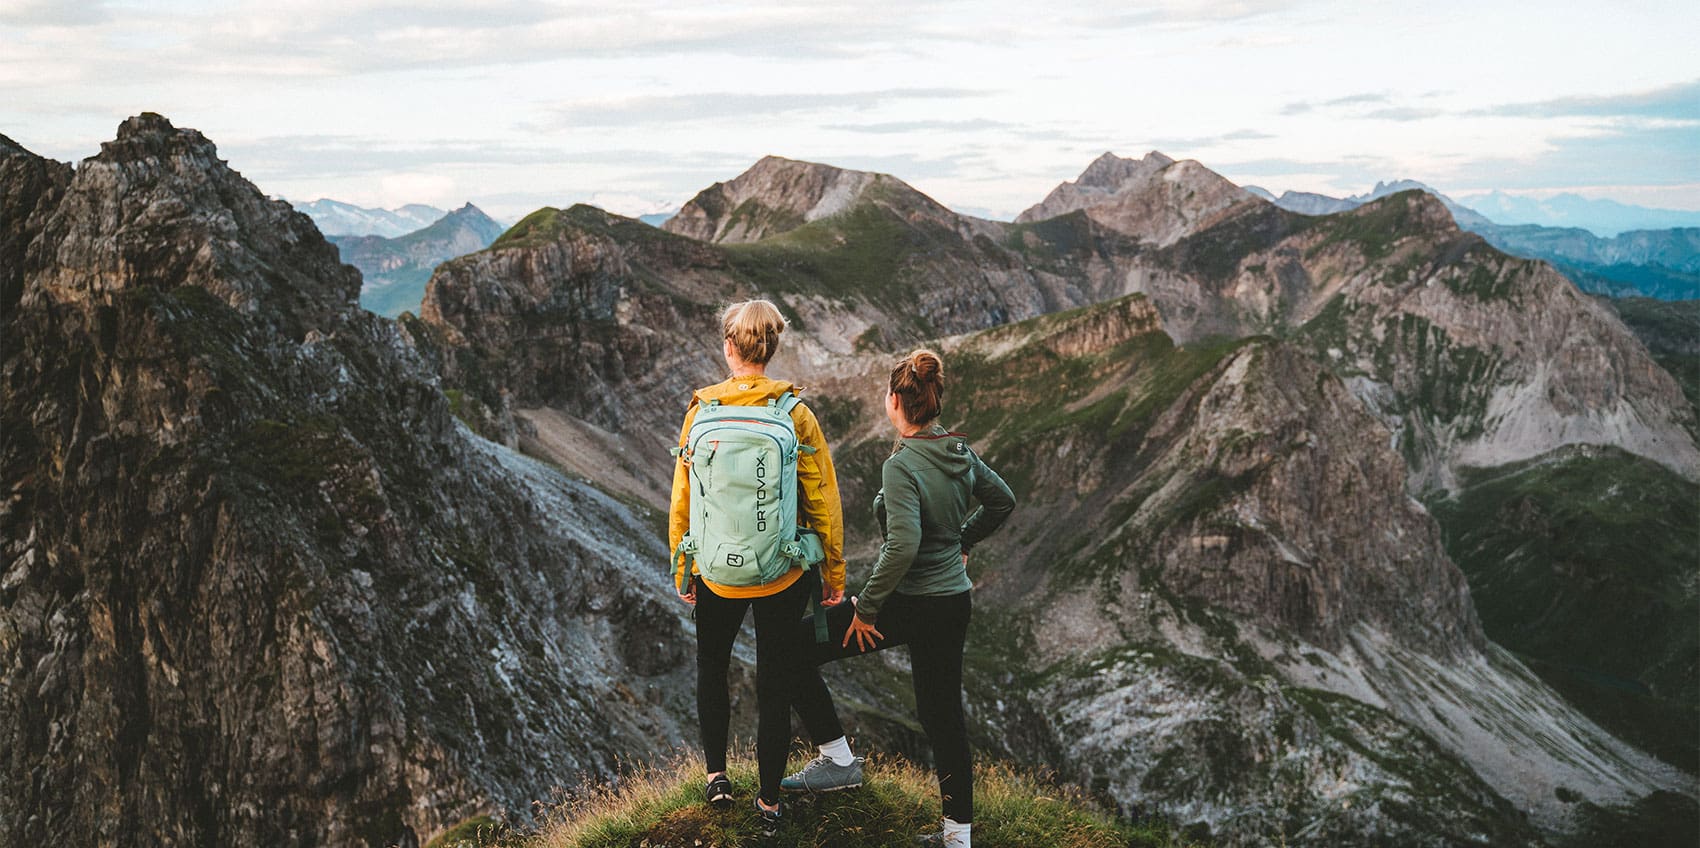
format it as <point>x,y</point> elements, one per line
<point>548,225</point>
<point>862,252</point>
<point>752,215</point>
<point>1215,253</point>
<point>476,832</point>
<point>1483,283</point>
<point>1372,229</point>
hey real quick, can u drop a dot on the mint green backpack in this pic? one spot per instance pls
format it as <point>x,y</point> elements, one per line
<point>742,465</point>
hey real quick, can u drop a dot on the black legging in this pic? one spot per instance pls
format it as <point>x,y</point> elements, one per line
<point>935,628</point>
<point>777,648</point>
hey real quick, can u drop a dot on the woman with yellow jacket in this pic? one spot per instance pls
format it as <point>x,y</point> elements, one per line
<point>751,331</point>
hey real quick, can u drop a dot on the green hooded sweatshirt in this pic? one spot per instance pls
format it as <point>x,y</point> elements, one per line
<point>922,508</point>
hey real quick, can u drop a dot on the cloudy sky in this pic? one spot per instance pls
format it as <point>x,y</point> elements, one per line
<point>516,104</point>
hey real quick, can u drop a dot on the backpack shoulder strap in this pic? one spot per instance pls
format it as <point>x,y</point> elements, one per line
<point>785,404</point>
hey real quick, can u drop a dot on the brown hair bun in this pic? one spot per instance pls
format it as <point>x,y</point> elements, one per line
<point>917,380</point>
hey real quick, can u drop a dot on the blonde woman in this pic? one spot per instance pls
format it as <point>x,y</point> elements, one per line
<point>721,565</point>
<point>918,592</point>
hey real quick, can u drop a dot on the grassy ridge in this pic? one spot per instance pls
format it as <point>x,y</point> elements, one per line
<point>662,806</point>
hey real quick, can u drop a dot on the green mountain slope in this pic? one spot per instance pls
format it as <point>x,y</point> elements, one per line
<point>1584,563</point>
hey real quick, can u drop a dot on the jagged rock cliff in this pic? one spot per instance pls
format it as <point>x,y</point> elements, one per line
<point>1472,358</point>
<point>260,585</point>
<point>33,187</point>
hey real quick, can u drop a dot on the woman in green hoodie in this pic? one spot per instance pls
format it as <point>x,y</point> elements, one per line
<point>917,595</point>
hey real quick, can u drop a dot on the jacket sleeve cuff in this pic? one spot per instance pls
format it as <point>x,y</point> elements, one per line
<point>867,613</point>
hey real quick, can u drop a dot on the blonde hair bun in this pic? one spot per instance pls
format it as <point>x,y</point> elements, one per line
<point>753,327</point>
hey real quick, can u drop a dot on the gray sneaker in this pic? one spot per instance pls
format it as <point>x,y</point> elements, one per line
<point>824,775</point>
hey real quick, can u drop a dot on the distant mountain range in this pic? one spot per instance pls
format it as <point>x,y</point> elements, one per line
<point>396,269</point>
<point>1600,217</point>
<point>1656,263</point>
<point>335,218</point>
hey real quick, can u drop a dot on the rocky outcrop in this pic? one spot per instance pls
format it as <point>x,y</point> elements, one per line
<point>584,311</point>
<point>1154,199</point>
<point>172,213</point>
<point>33,187</point>
<point>260,586</point>
<point>1471,357</point>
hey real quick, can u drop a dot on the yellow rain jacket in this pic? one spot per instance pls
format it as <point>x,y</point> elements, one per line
<point>818,507</point>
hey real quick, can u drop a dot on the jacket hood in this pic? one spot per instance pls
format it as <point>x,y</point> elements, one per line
<point>745,391</point>
<point>946,451</point>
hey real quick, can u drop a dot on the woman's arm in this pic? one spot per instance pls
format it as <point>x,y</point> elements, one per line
<point>679,513</point>
<point>996,503</point>
<point>902,539</point>
<point>817,496</point>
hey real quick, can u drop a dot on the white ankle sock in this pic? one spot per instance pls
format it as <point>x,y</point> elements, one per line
<point>839,750</point>
<point>958,835</point>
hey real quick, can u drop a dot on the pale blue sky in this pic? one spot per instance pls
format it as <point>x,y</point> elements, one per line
<point>517,104</point>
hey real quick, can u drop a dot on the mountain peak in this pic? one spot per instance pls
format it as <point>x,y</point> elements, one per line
<point>1110,172</point>
<point>1155,199</point>
<point>158,208</point>
<point>774,196</point>
<point>1383,189</point>
<point>149,135</point>
<point>147,123</point>
<point>468,210</point>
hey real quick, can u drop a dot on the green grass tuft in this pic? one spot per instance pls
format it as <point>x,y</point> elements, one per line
<point>662,806</point>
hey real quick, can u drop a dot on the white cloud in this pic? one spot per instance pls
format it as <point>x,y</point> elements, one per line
<point>433,189</point>
<point>983,105</point>
<point>52,13</point>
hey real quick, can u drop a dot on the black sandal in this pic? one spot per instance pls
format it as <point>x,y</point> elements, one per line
<point>718,791</point>
<point>768,820</point>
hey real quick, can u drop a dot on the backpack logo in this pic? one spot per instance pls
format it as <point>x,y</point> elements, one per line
<point>735,560</point>
<point>761,493</point>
